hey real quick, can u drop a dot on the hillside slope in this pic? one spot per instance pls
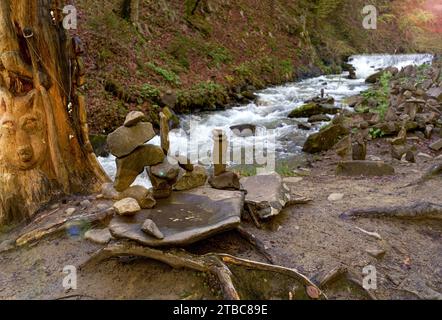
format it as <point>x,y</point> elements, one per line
<point>219,52</point>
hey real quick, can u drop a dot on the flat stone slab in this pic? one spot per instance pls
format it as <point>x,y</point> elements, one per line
<point>364,168</point>
<point>267,194</point>
<point>184,218</point>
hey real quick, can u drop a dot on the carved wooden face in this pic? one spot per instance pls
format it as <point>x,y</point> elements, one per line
<point>22,132</point>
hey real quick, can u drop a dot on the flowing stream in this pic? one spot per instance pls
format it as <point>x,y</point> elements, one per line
<point>269,113</point>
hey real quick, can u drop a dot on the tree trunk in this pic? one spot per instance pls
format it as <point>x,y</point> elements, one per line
<point>131,11</point>
<point>44,147</point>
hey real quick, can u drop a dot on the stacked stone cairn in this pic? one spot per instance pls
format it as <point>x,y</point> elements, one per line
<point>222,179</point>
<point>129,144</point>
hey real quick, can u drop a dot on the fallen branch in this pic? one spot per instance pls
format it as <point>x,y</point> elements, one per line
<point>434,171</point>
<point>253,215</point>
<point>212,263</point>
<point>415,211</point>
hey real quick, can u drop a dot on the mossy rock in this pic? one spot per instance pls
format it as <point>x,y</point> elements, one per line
<point>311,109</point>
<point>325,139</point>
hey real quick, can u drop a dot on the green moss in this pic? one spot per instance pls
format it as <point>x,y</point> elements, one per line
<point>168,75</point>
<point>204,95</point>
<point>380,94</point>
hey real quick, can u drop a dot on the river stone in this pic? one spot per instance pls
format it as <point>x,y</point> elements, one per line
<point>335,197</point>
<point>244,130</point>
<point>183,162</point>
<point>143,196</point>
<point>325,139</point>
<point>311,109</point>
<point>124,140</point>
<point>162,188</point>
<point>108,191</point>
<point>397,151</point>
<point>127,207</point>
<point>319,118</point>
<point>436,146</point>
<point>225,181</point>
<point>364,168</point>
<point>165,170</point>
<point>435,93</point>
<point>191,179</point>
<point>150,228</point>
<point>100,236</point>
<point>128,168</point>
<point>134,118</point>
<point>359,150</point>
<point>184,218</point>
<point>266,194</point>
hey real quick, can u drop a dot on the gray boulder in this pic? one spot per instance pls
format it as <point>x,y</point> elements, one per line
<point>266,194</point>
<point>325,139</point>
<point>125,140</point>
<point>128,168</point>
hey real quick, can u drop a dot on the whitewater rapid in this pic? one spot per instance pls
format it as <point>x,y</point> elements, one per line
<point>270,110</point>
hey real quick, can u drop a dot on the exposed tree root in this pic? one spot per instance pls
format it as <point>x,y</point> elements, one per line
<point>212,263</point>
<point>253,215</point>
<point>434,171</point>
<point>338,273</point>
<point>415,211</point>
<point>254,241</point>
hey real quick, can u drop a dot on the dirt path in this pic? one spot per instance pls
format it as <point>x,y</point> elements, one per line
<point>309,237</point>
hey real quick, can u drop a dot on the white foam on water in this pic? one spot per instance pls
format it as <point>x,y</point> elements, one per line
<point>367,65</point>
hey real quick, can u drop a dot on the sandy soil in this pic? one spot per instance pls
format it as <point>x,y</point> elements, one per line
<point>308,237</point>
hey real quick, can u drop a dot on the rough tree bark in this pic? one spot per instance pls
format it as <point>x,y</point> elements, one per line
<point>131,11</point>
<point>44,147</point>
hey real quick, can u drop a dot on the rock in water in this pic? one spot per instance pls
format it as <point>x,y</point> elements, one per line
<point>266,194</point>
<point>325,139</point>
<point>312,109</point>
<point>225,181</point>
<point>100,236</point>
<point>319,118</point>
<point>364,168</point>
<point>191,179</point>
<point>244,130</point>
<point>125,140</point>
<point>127,207</point>
<point>134,118</point>
<point>143,196</point>
<point>128,168</point>
<point>152,229</point>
